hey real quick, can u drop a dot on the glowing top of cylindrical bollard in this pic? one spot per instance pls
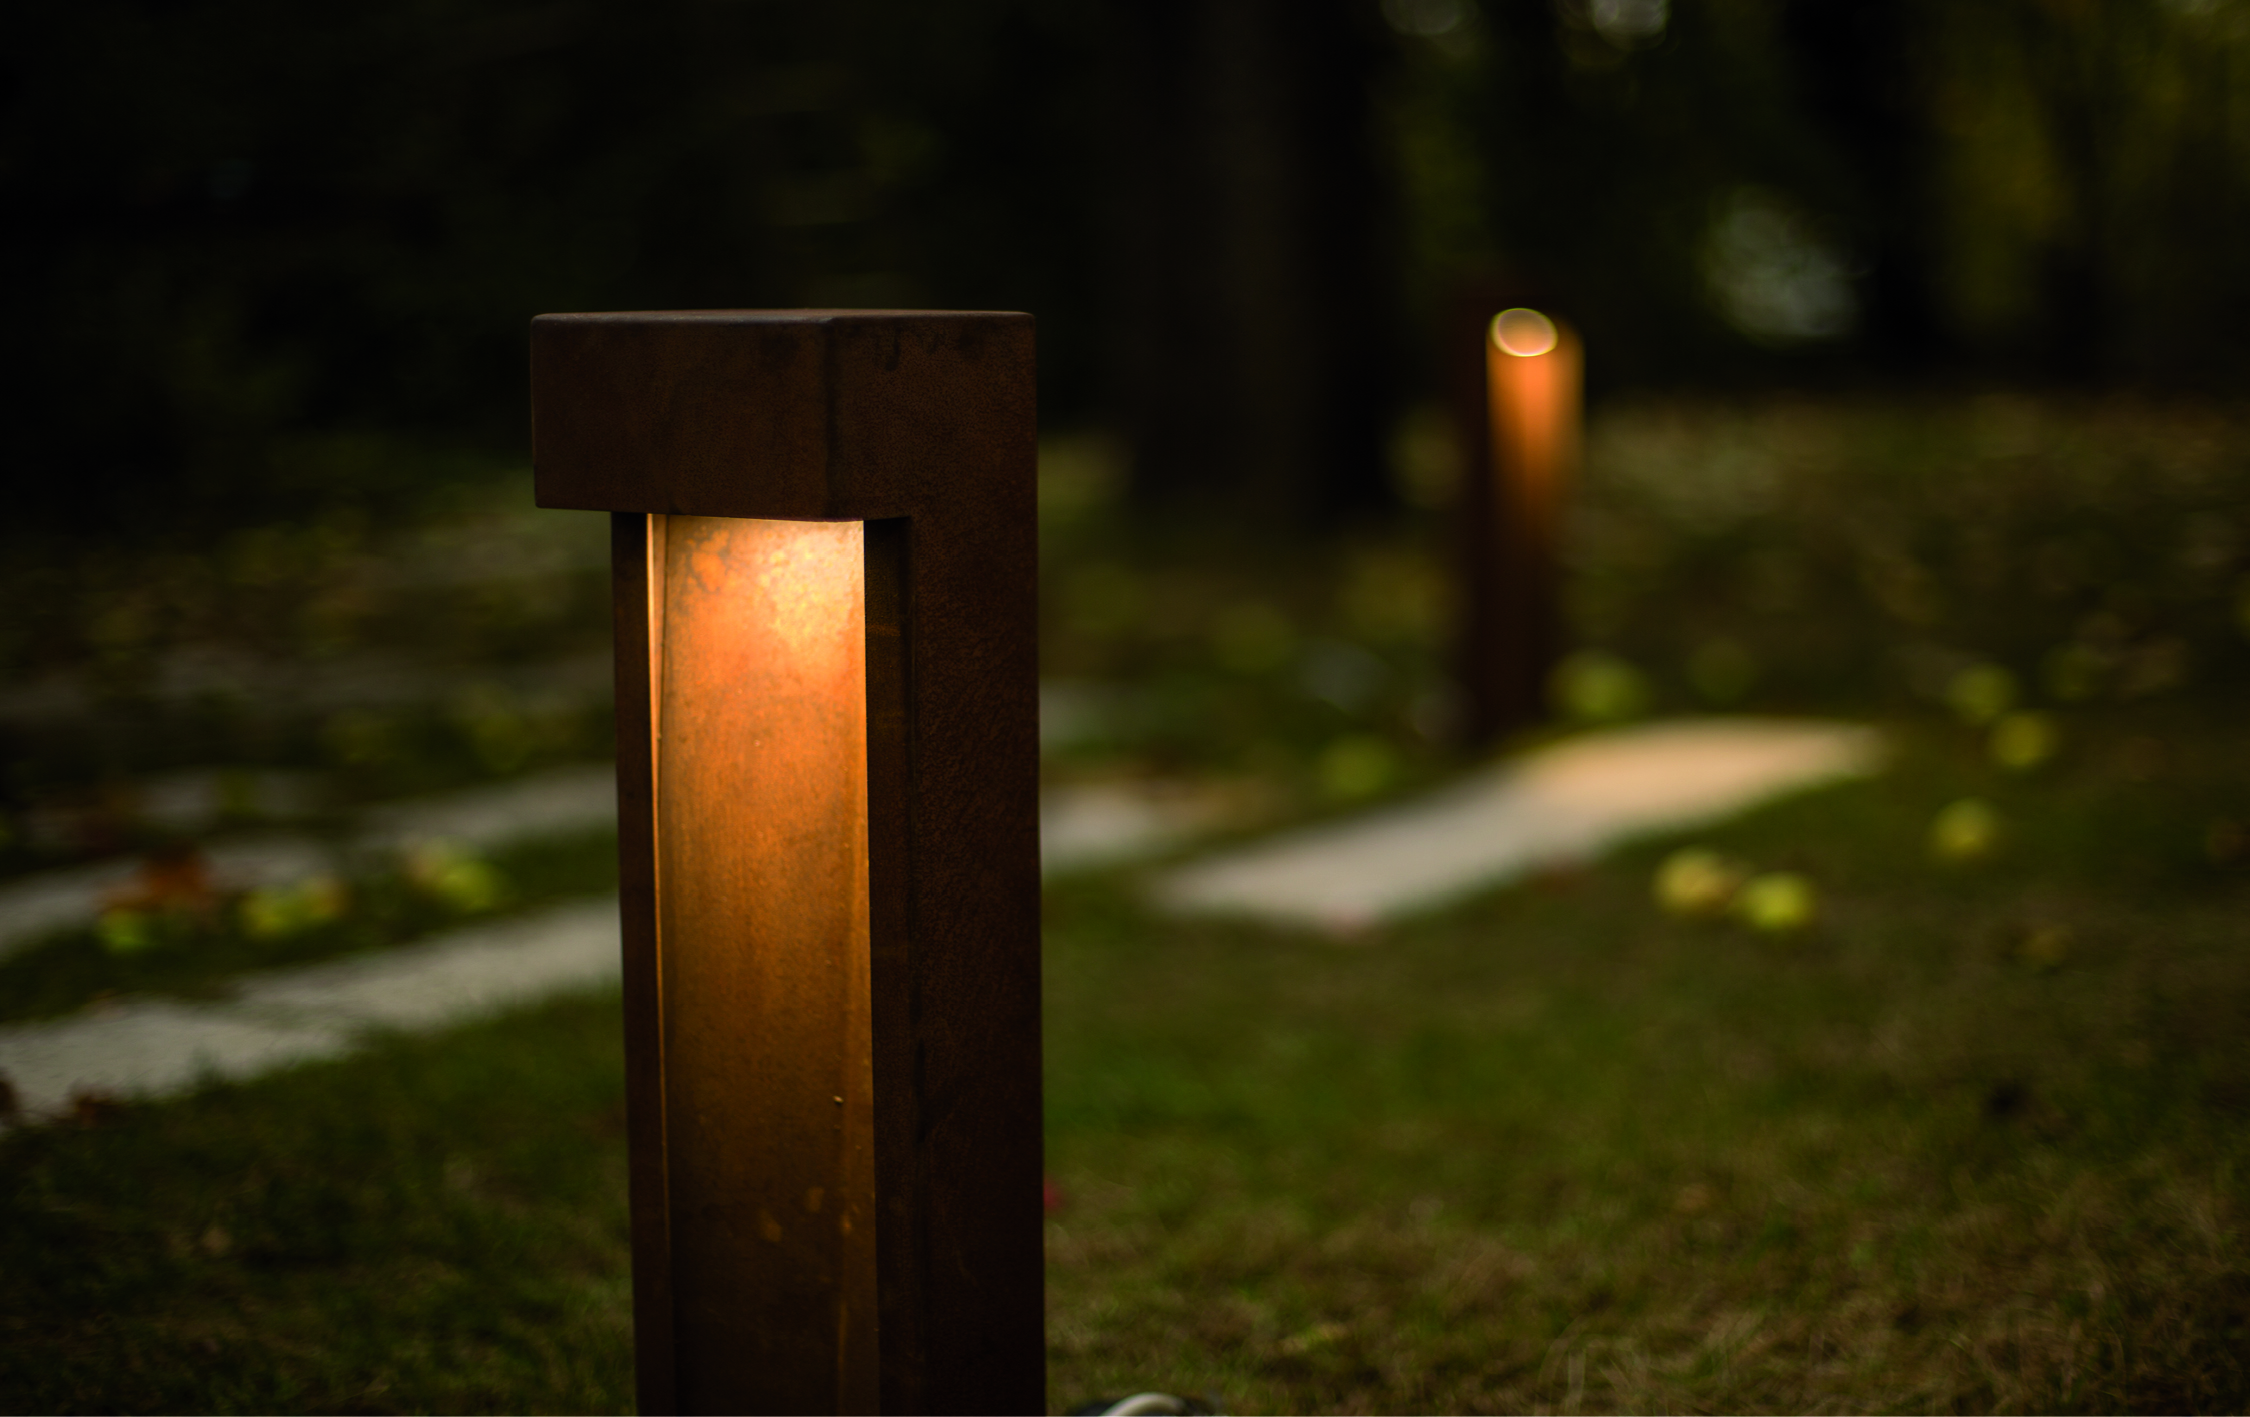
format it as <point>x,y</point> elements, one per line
<point>1523,332</point>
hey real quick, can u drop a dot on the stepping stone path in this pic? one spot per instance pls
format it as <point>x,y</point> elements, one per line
<point>159,1047</point>
<point>1561,804</point>
<point>1086,826</point>
<point>574,799</point>
<point>153,1047</point>
<point>1555,807</point>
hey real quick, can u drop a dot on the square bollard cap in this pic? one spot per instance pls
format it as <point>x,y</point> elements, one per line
<point>812,415</point>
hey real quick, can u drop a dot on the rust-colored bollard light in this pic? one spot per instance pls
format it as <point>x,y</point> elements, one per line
<point>1511,631</point>
<point>824,549</point>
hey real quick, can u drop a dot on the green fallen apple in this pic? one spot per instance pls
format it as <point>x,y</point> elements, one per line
<point>1777,902</point>
<point>1967,830</point>
<point>1696,881</point>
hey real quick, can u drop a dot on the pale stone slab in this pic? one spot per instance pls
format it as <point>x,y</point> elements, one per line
<point>1084,826</point>
<point>457,975</point>
<point>571,799</point>
<point>152,1048</point>
<point>1559,805</point>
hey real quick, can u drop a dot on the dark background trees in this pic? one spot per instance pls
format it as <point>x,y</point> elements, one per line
<point>265,254</point>
<point>266,251</point>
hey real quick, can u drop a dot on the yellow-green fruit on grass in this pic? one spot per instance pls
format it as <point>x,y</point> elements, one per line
<point>467,884</point>
<point>278,912</point>
<point>1967,830</point>
<point>1357,765</point>
<point>1696,881</point>
<point>463,881</point>
<point>1593,687</point>
<point>1981,693</point>
<point>2022,741</point>
<point>125,932</point>
<point>1778,902</point>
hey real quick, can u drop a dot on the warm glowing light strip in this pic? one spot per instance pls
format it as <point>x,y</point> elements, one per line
<point>762,852</point>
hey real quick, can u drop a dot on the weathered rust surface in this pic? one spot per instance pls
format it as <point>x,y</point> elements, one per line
<point>761,836</point>
<point>634,604</point>
<point>921,426</point>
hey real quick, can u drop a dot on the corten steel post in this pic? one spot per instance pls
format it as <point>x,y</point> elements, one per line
<point>1521,450</point>
<point>823,543</point>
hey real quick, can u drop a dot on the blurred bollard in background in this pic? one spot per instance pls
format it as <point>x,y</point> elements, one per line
<point>1510,521</point>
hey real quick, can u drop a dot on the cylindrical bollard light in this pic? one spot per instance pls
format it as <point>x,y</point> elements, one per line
<point>823,533</point>
<point>1511,625</point>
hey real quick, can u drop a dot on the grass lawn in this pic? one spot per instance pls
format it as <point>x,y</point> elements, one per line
<point>1974,1139</point>
<point>437,1225</point>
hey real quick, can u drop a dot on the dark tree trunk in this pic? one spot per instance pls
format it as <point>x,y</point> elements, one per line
<point>1857,77</point>
<point>1253,361</point>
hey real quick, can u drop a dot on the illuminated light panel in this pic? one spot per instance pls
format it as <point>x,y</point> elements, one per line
<point>760,683</point>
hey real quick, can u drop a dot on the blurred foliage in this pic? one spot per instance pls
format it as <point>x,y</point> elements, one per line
<point>1969,553</point>
<point>1307,672</point>
<point>2005,563</point>
<point>1722,188</point>
<point>272,257</point>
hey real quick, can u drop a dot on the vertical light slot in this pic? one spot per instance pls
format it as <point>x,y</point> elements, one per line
<point>762,846</point>
<point>1534,367</point>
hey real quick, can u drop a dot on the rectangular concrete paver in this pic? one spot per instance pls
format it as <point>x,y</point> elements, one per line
<point>159,1047</point>
<point>571,799</point>
<point>1556,806</point>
